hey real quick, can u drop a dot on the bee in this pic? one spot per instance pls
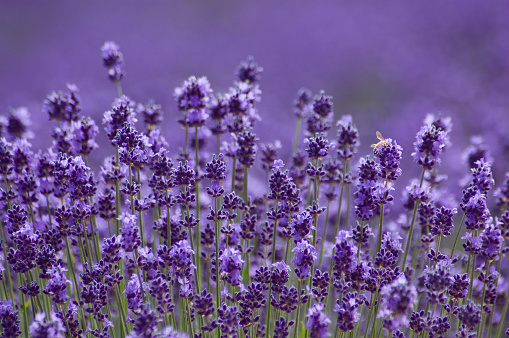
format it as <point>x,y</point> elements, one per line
<point>381,143</point>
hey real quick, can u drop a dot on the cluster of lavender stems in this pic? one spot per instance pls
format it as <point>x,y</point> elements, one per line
<point>162,244</point>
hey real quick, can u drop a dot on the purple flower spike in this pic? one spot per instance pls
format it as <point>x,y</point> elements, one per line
<point>230,265</point>
<point>317,321</point>
<point>430,143</point>
<point>303,258</point>
<point>113,59</point>
<point>194,94</point>
<point>397,298</point>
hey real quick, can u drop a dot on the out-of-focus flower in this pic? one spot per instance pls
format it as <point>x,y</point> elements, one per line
<point>113,60</point>
<point>317,321</point>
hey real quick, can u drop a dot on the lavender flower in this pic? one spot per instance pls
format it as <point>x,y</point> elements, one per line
<point>9,320</point>
<point>113,59</point>
<point>430,143</point>
<point>131,239</point>
<point>397,298</point>
<point>348,138</point>
<point>317,321</point>
<point>249,71</point>
<point>42,329</point>
<point>193,95</point>
<point>303,258</point>
<point>389,155</point>
<point>230,265</point>
<point>63,106</point>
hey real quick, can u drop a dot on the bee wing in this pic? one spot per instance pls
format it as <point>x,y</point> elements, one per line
<point>379,136</point>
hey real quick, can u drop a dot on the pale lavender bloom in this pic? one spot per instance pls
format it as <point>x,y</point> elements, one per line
<point>317,321</point>
<point>41,328</point>
<point>303,258</point>
<point>230,265</point>
<point>397,298</point>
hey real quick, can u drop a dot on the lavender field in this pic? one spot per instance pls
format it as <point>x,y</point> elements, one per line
<point>240,170</point>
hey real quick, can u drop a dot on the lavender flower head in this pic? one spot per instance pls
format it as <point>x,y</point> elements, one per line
<point>430,143</point>
<point>9,319</point>
<point>302,103</point>
<point>249,71</point>
<point>348,138</point>
<point>389,154</point>
<point>42,329</point>
<point>483,177</point>
<point>230,265</point>
<point>63,106</point>
<point>130,239</point>
<point>113,59</point>
<point>194,94</point>
<point>17,124</point>
<point>317,321</point>
<point>303,258</point>
<point>397,298</point>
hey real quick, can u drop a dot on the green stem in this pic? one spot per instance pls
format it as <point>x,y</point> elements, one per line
<point>411,231</point>
<point>457,235</point>
<point>297,134</point>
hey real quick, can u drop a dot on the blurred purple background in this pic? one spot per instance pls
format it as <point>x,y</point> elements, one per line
<point>386,63</point>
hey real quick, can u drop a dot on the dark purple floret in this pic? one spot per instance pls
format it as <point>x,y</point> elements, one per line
<point>344,259</point>
<point>228,318</point>
<point>320,283</point>
<point>216,168</point>
<point>302,224</point>
<point>303,258</point>
<point>121,112</point>
<point>492,242</point>
<point>347,309</point>
<point>204,304</point>
<point>317,321</point>
<point>6,157</point>
<point>269,154</point>
<point>18,123</point>
<point>317,146</point>
<point>247,147</point>
<point>437,279</point>
<point>389,155</point>
<point>473,203</point>
<point>459,286</point>
<point>288,299</point>
<point>194,94</point>
<point>280,275</point>
<point>57,285</point>
<point>322,105</point>
<point>348,138</point>
<point>281,330</point>
<point>442,221</point>
<point>470,315</point>
<point>483,177</point>
<point>184,175</point>
<point>10,322</point>
<point>249,71</point>
<point>63,106</point>
<point>366,200</point>
<point>429,145</point>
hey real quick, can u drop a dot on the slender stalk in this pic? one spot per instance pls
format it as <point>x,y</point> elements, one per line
<point>297,134</point>
<point>411,231</point>
<point>457,235</point>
